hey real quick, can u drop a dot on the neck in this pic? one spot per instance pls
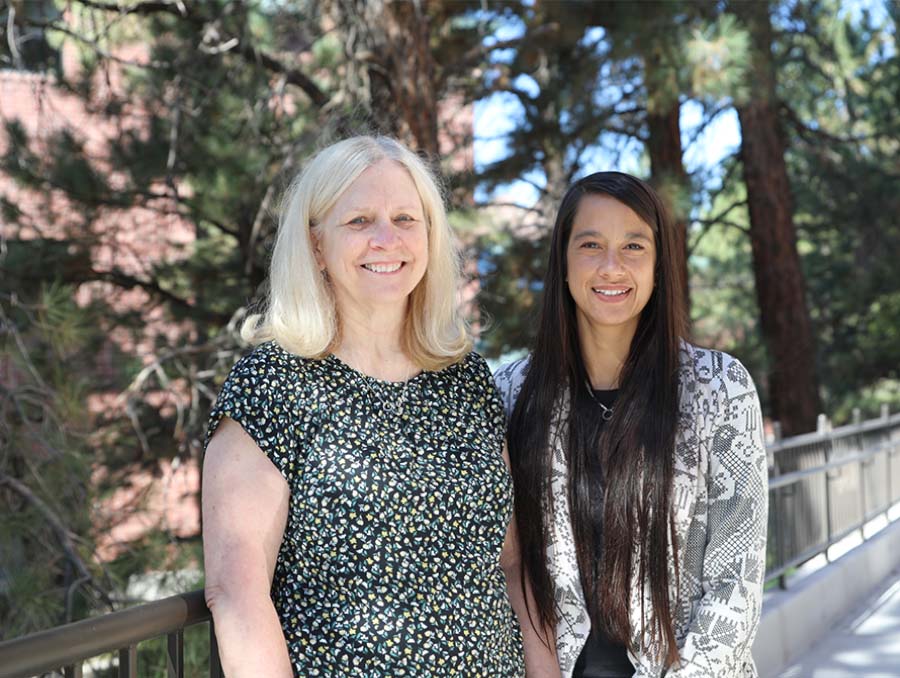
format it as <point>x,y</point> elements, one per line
<point>604,350</point>
<point>372,343</point>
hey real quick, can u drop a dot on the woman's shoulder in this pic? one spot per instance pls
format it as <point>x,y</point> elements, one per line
<point>472,368</point>
<point>513,372</point>
<point>269,365</point>
<point>715,370</point>
<point>261,395</point>
<point>509,378</point>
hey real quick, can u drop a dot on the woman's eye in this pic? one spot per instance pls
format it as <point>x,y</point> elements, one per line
<point>358,221</point>
<point>637,247</point>
<point>590,245</point>
<point>404,218</point>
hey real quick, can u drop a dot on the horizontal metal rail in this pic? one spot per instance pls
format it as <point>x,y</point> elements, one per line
<point>809,554</point>
<point>66,647</point>
<point>794,476</point>
<point>833,434</point>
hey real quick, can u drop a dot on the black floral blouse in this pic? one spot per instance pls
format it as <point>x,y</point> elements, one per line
<point>400,500</point>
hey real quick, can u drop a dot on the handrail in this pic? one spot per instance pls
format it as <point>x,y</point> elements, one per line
<point>827,485</point>
<point>877,424</point>
<point>790,478</point>
<point>117,631</point>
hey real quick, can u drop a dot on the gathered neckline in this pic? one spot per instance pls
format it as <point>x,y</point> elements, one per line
<point>369,378</point>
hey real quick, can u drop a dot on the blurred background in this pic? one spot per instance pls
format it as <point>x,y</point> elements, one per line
<point>145,144</point>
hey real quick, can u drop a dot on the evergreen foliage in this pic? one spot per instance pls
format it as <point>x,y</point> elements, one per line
<point>46,489</point>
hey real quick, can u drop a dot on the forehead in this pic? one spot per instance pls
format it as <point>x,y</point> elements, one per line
<point>607,216</point>
<point>385,182</point>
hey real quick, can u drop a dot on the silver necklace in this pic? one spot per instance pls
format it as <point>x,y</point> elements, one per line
<point>606,412</point>
<point>394,407</point>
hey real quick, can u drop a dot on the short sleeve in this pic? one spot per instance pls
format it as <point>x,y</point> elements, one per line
<point>257,395</point>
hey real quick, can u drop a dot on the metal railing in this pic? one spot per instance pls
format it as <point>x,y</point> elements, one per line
<point>822,487</point>
<point>65,648</point>
<point>827,485</point>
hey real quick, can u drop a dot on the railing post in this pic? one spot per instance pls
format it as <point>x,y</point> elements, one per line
<point>770,456</point>
<point>128,662</point>
<point>74,671</point>
<point>175,655</point>
<point>215,665</point>
<point>779,535</point>
<point>889,472</point>
<point>777,499</point>
<point>823,426</point>
<point>861,465</point>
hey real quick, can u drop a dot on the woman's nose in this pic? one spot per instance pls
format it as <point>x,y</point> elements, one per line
<point>384,234</point>
<point>610,262</point>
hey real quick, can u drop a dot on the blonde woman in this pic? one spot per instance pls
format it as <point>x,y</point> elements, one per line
<point>356,499</point>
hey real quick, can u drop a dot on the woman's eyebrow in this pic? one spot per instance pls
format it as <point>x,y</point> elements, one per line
<point>631,235</point>
<point>642,236</point>
<point>368,208</point>
<point>588,234</point>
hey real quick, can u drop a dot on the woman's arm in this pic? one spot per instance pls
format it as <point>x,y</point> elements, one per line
<point>245,504</point>
<point>540,648</point>
<point>734,562</point>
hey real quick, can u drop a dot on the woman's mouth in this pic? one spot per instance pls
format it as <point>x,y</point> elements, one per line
<point>612,294</point>
<point>392,267</point>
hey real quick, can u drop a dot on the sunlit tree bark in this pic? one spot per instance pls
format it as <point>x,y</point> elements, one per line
<point>780,284</point>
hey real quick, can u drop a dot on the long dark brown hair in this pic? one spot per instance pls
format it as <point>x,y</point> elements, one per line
<point>620,474</point>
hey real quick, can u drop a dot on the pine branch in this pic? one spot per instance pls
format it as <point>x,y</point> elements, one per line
<point>500,203</point>
<point>189,11</point>
<point>811,134</point>
<point>292,76</point>
<point>144,8</point>
<point>476,54</point>
<point>63,534</point>
<point>99,51</point>
<point>126,281</point>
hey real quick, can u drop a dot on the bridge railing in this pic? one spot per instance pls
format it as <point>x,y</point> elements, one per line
<point>827,485</point>
<point>65,648</point>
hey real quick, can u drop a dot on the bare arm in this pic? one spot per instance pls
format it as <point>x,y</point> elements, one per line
<point>245,504</point>
<point>540,659</point>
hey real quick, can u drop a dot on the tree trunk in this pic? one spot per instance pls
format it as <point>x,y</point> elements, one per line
<point>780,285</point>
<point>392,69</point>
<point>669,177</point>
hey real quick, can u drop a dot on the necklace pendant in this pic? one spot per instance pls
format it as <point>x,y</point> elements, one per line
<point>606,411</point>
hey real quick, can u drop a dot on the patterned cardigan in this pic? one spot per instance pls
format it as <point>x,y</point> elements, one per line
<point>720,505</point>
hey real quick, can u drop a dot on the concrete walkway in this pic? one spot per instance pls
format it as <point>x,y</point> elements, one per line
<point>865,643</point>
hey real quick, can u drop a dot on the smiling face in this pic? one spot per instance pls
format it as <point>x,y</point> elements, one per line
<point>611,255</point>
<point>373,243</point>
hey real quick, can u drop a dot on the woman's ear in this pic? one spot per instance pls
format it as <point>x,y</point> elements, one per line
<point>316,242</point>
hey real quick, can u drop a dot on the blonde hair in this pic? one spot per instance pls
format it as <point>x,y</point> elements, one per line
<point>300,312</point>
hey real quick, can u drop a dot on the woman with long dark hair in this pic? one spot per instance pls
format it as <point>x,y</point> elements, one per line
<point>637,458</point>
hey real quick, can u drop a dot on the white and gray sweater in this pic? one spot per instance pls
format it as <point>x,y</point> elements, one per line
<point>720,505</point>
